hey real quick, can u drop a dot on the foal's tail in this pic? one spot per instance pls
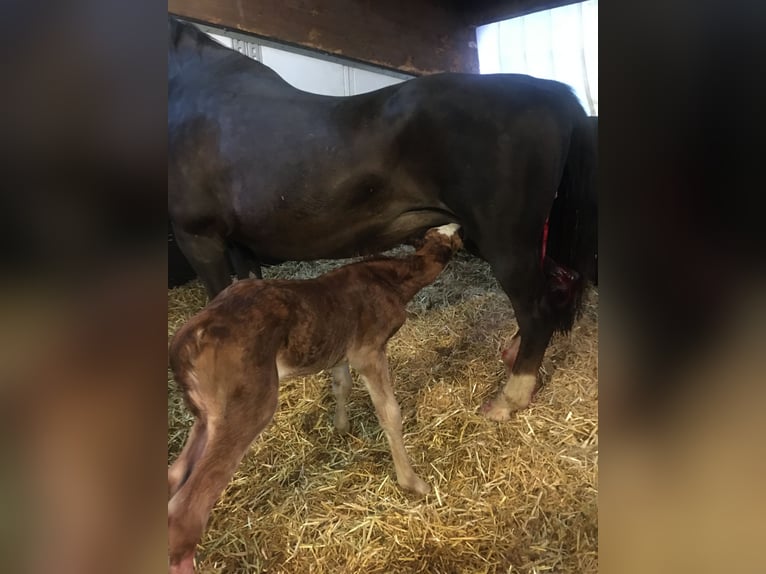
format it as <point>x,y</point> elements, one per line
<point>573,238</point>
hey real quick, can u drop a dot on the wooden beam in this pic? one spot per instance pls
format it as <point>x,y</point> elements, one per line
<point>414,36</point>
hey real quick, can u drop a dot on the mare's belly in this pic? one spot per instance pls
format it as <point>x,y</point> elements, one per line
<point>335,235</point>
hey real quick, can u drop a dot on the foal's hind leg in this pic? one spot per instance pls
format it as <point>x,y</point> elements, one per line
<point>181,468</point>
<point>233,424</point>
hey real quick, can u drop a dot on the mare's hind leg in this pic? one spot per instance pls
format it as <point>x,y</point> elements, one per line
<point>207,256</point>
<point>233,424</point>
<point>508,355</point>
<point>523,280</point>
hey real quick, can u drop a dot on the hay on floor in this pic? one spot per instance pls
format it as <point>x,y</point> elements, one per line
<point>507,497</point>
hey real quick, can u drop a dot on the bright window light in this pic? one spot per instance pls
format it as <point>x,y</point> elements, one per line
<point>559,44</point>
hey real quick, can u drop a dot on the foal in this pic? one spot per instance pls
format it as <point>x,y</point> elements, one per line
<point>229,358</point>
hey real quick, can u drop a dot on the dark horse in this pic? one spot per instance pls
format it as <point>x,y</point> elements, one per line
<point>280,174</point>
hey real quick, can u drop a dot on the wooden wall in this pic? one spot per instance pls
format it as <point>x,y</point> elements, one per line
<point>415,36</point>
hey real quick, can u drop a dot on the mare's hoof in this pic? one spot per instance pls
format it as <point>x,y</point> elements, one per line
<point>495,412</point>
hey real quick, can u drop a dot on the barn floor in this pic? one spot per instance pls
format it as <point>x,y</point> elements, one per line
<point>514,497</point>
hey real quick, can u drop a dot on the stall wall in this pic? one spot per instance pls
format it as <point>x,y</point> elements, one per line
<point>312,72</point>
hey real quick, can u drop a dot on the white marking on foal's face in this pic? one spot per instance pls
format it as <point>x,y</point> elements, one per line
<point>449,229</point>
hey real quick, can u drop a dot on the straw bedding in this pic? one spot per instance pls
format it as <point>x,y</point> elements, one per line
<point>507,497</point>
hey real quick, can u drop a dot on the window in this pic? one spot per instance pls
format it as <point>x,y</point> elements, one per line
<point>559,44</point>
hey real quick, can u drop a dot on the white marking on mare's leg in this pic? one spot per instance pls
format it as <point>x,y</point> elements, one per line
<point>516,395</point>
<point>449,230</point>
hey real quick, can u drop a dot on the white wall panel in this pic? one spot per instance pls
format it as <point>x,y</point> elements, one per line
<point>365,81</point>
<point>221,39</point>
<point>328,76</point>
<point>306,73</point>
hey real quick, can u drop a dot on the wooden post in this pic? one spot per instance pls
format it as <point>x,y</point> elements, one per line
<point>416,37</point>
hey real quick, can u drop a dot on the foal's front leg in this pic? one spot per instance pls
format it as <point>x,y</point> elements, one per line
<point>341,387</point>
<point>373,367</point>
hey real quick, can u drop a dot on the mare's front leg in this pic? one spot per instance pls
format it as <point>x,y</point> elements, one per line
<point>373,367</point>
<point>207,256</point>
<point>243,262</point>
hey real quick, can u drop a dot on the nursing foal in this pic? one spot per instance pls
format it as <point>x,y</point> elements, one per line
<point>229,358</point>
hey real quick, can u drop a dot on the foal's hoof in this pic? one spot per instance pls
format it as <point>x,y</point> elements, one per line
<point>342,428</point>
<point>184,566</point>
<point>417,485</point>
